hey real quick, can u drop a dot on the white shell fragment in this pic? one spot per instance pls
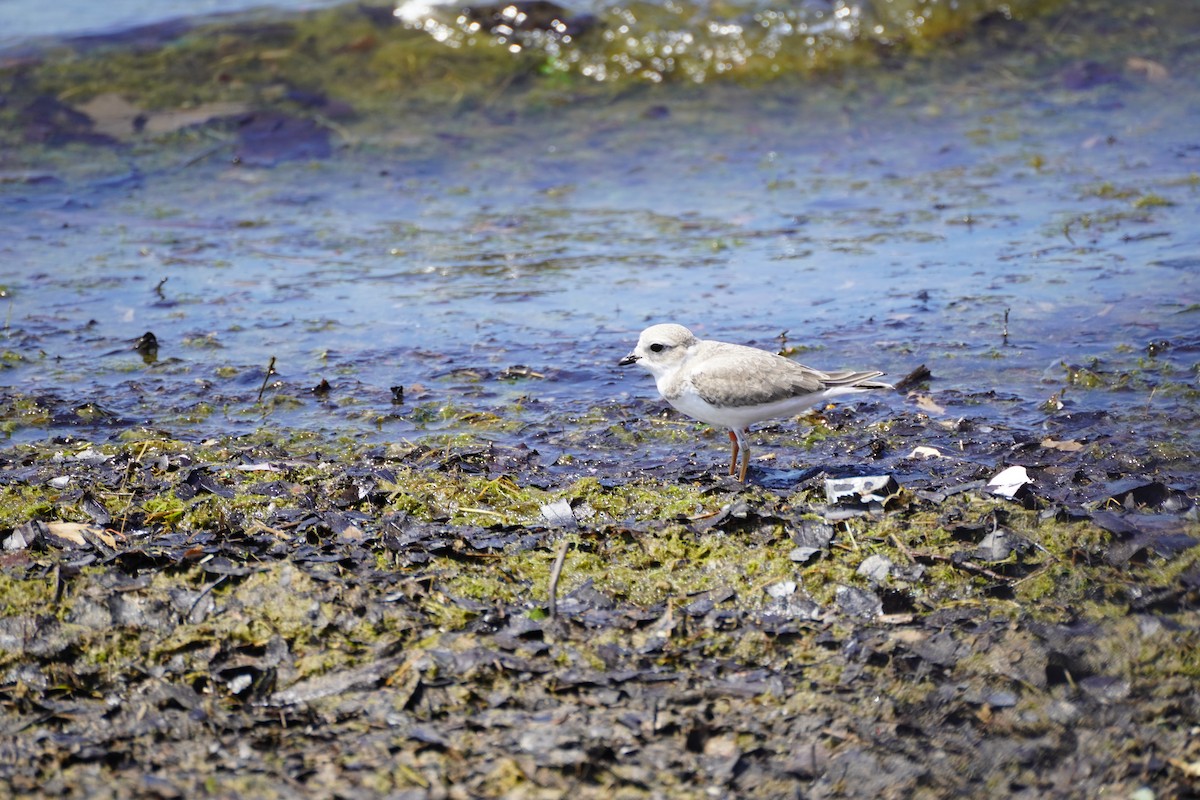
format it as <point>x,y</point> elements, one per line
<point>1008,482</point>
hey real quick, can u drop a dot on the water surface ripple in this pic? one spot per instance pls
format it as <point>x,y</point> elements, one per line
<point>499,260</point>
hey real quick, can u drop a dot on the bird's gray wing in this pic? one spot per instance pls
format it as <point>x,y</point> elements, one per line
<point>744,376</point>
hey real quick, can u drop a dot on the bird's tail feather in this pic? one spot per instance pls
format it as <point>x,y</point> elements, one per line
<point>857,380</point>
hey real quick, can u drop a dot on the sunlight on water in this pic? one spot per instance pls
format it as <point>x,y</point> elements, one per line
<point>698,40</point>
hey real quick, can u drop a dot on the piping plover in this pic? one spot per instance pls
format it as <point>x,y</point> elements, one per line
<point>732,386</point>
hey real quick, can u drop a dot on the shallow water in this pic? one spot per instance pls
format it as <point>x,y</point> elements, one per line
<point>21,20</point>
<point>881,223</point>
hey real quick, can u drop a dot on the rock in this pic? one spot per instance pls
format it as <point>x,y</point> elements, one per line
<point>875,568</point>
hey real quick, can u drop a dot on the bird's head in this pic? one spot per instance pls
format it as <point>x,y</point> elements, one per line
<point>660,348</point>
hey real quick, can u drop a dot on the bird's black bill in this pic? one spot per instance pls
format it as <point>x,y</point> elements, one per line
<point>627,360</point>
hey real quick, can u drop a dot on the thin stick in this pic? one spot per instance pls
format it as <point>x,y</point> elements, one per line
<point>60,586</point>
<point>555,572</point>
<point>207,590</point>
<point>267,377</point>
<point>969,566</point>
<point>125,481</point>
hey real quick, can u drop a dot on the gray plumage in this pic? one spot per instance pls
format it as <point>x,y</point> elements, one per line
<point>732,385</point>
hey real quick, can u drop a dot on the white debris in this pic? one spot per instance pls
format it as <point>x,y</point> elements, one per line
<point>1008,482</point>
<point>781,589</point>
<point>875,568</point>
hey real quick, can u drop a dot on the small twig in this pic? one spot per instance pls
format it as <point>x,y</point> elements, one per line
<point>1004,333</point>
<point>60,585</point>
<point>258,526</point>
<point>1067,232</point>
<point>918,375</point>
<point>902,547</point>
<point>158,289</point>
<point>487,512</point>
<point>203,154</point>
<point>205,593</point>
<point>555,572</point>
<point>125,482</point>
<point>267,377</point>
<point>968,566</point>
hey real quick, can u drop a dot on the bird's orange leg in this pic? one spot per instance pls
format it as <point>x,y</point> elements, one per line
<point>739,444</point>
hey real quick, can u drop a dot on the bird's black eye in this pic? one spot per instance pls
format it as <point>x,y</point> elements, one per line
<point>657,348</point>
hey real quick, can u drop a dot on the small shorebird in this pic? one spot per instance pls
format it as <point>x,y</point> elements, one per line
<point>732,386</point>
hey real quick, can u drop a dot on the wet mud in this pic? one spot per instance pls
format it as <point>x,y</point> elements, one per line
<point>260,617</point>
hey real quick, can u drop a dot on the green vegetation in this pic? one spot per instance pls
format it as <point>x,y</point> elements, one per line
<point>222,570</point>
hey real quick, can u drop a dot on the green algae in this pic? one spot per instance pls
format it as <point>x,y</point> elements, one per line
<point>644,569</point>
<point>20,411</point>
<point>644,566</point>
<point>345,55</point>
<point>662,564</point>
<point>21,503</point>
<point>23,597</point>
